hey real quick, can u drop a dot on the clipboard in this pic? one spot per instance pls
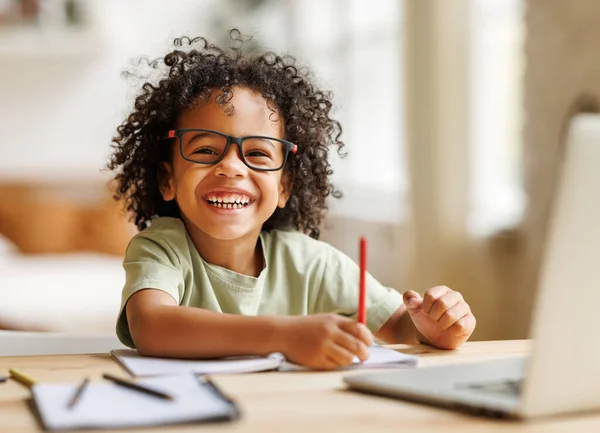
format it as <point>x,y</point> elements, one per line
<point>106,405</point>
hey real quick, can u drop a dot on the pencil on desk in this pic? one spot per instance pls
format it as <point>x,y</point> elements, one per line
<point>21,378</point>
<point>362,294</point>
<point>77,395</point>
<point>137,387</point>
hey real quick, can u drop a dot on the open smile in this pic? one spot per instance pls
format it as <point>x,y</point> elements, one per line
<point>228,201</point>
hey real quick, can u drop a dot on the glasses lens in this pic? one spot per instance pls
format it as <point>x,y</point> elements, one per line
<point>202,146</point>
<point>263,153</point>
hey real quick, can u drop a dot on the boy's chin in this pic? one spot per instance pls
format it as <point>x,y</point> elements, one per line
<point>232,233</point>
<point>221,232</point>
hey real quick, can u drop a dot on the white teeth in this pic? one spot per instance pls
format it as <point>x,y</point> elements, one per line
<point>228,205</point>
<point>231,199</point>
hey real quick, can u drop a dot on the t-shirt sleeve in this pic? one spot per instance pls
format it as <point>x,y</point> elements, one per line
<point>339,290</point>
<point>149,263</point>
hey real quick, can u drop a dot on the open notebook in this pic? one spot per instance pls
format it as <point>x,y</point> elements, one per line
<point>138,365</point>
<point>106,405</point>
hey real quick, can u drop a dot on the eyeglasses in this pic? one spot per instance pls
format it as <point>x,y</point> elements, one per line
<point>205,146</point>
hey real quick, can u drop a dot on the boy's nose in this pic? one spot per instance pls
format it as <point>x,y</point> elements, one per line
<point>232,165</point>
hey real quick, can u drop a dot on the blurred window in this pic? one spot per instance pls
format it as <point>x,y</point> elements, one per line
<point>497,65</point>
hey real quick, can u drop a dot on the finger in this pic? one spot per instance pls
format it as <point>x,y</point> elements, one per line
<point>322,362</point>
<point>453,315</point>
<point>358,330</point>
<point>444,303</point>
<point>464,326</point>
<point>352,345</point>
<point>413,301</point>
<point>339,355</point>
<point>327,363</point>
<point>432,295</point>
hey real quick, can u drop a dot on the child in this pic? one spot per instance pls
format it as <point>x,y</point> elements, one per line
<point>223,165</point>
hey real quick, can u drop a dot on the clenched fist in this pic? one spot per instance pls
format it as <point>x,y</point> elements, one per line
<point>442,317</point>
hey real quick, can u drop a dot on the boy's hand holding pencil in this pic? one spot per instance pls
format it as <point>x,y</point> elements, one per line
<point>325,341</point>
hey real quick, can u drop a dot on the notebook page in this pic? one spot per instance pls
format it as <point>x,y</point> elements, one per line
<point>379,356</point>
<point>107,405</point>
<point>149,366</point>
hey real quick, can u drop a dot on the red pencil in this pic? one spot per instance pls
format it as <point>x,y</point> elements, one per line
<point>362,294</point>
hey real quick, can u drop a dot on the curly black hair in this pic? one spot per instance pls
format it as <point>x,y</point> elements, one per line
<point>191,75</point>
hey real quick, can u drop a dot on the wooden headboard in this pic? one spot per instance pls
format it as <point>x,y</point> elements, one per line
<point>54,217</point>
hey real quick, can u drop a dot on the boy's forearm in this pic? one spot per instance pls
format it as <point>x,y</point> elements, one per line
<point>186,332</point>
<point>399,329</point>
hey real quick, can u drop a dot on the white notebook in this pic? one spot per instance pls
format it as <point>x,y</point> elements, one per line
<point>107,405</point>
<point>379,357</point>
<point>139,365</point>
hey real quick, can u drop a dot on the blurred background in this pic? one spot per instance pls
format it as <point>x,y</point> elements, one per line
<point>453,113</point>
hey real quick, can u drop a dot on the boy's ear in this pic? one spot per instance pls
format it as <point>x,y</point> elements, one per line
<point>285,188</point>
<point>165,181</point>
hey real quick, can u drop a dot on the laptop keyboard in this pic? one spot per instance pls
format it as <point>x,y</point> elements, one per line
<point>503,387</point>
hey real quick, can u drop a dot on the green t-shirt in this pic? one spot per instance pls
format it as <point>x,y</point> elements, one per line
<point>301,276</point>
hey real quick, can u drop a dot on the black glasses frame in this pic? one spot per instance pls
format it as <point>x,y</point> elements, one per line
<point>178,133</point>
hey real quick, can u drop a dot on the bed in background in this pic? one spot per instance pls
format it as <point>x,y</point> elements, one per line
<point>61,249</point>
<point>67,292</point>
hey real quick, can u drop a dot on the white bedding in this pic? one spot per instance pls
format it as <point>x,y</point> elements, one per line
<point>63,292</point>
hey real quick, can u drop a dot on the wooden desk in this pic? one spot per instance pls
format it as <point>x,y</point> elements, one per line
<point>296,402</point>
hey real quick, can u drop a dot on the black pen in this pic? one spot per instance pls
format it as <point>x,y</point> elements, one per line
<point>3,379</point>
<point>137,387</point>
<point>234,410</point>
<point>208,382</point>
<point>78,393</point>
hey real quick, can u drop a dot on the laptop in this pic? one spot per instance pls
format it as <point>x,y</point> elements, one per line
<point>561,374</point>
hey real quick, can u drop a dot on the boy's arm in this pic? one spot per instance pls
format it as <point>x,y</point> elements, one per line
<point>160,327</point>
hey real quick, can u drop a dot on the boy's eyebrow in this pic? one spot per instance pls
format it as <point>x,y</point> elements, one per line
<point>197,134</point>
<point>265,139</point>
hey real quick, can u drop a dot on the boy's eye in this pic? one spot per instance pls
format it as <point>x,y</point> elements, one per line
<point>205,151</point>
<point>258,153</point>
